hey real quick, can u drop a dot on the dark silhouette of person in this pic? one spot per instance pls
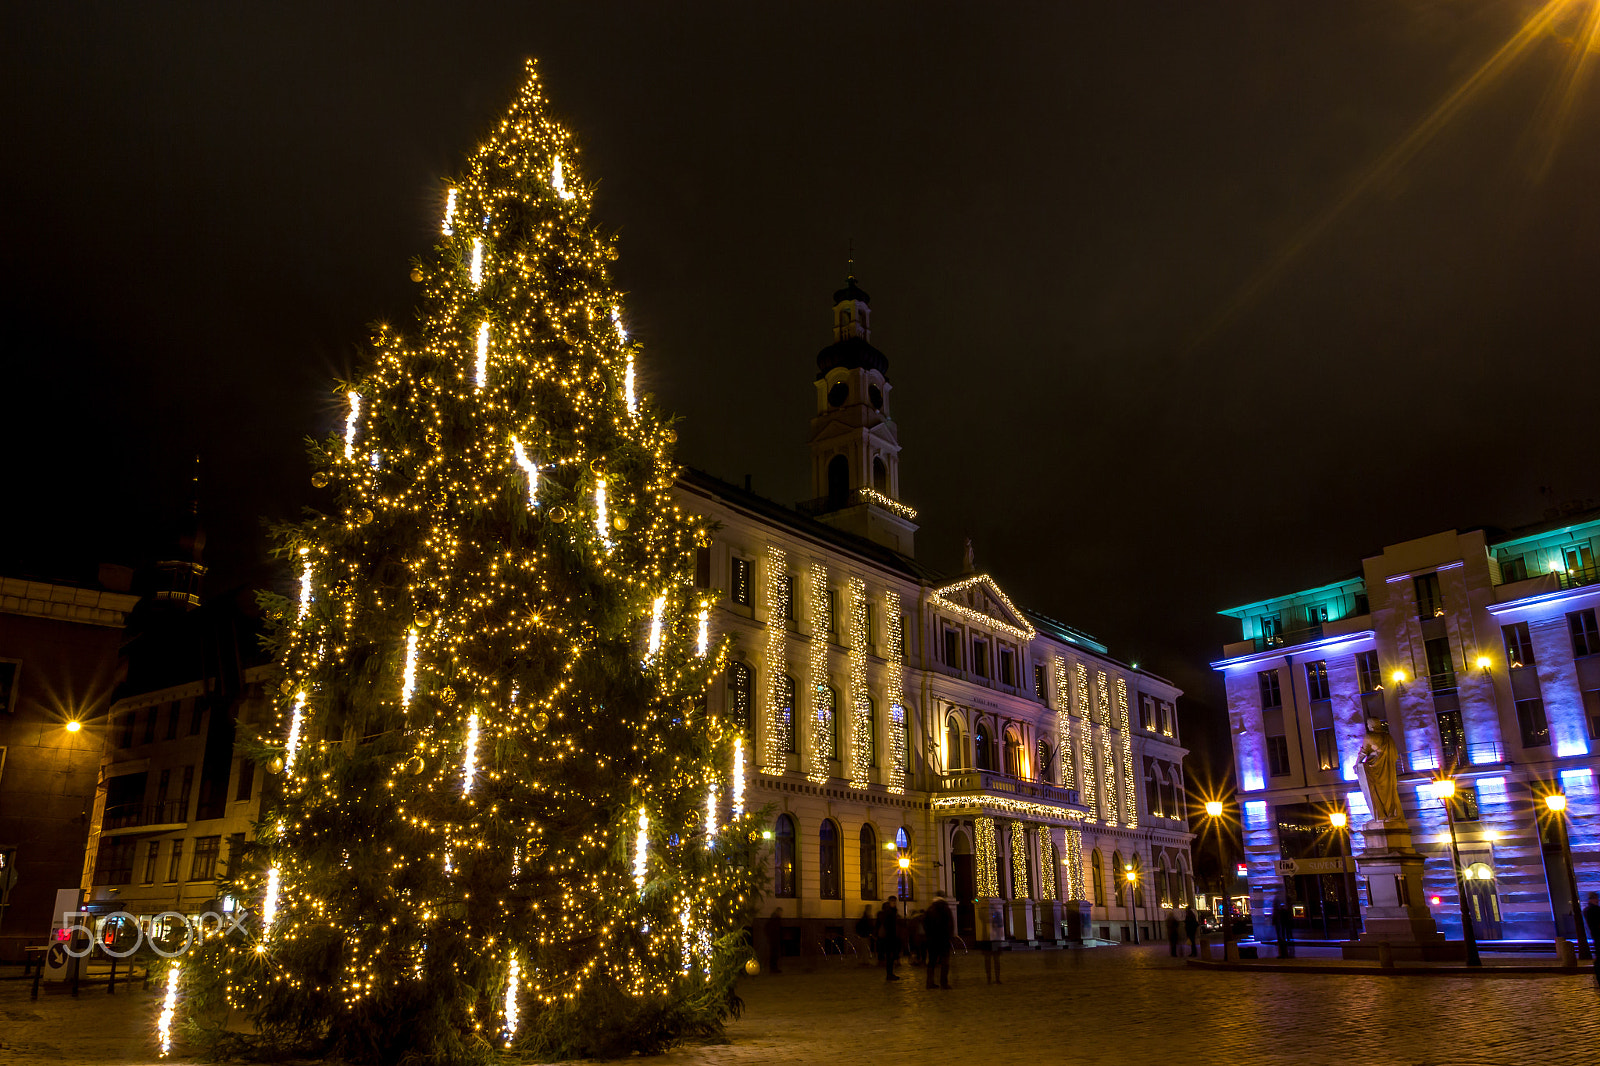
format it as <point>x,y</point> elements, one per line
<point>889,937</point>
<point>1191,926</point>
<point>1591,918</point>
<point>938,925</point>
<point>775,940</point>
<point>1283,922</point>
<point>1172,933</point>
<point>864,930</point>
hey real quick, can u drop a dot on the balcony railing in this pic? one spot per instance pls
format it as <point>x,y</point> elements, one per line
<point>1288,639</point>
<point>134,815</point>
<point>1442,682</point>
<point>984,781</point>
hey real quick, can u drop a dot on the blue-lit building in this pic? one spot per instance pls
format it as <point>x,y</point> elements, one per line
<point>1481,651</point>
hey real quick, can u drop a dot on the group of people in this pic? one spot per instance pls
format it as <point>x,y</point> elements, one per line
<point>1188,926</point>
<point>924,935</point>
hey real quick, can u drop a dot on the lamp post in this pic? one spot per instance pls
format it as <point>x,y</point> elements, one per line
<point>1445,789</point>
<point>1132,877</point>
<point>1556,804</point>
<point>1214,812</point>
<point>1340,821</point>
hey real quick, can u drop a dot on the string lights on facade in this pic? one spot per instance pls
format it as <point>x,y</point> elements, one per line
<point>940,598</point>
<point>988,872</point>
<point>1130,808</point>
<point>736,789</point>
<point>872,495</point>
<point>894,685</point>
<point>861,724</point>
<point>1047,863</point>
<point>822,708</point>
<point>775,592</point>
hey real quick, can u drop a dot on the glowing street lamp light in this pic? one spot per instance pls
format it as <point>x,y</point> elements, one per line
<point>1444,789</point>
<point>1338,819</point>
<point>74,725</point>
<point>1556,805</point>
<point>1213,808</point>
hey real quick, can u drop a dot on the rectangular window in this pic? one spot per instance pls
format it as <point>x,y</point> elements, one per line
<point>1578,557</point>
<point>786,713</point>
<point>952,649</point>
<point>872,628</point>
<point>152,851</point>
<point>830,605</point>
<point>183,796</point>
<point>1322,735</point>
<point>980,658</point>
<point>1007,667</point>
<point>1591,712</point>
<point>1152,796</point>
<point>235,854</point>
<point>1441,667</point>
<point>1277,743</point>
<point>1513,569</point>
<point>1271,695</point>
<point>197,717</point>
<point>175,863</point>
<point>206,850</point>
<point>1585,639</point>
<point>1165,709</point>
<point>739,587</point>
<point>1040,692</point>
<point>172,720</point>
<point>1519,646</point>
<point>1430,604</point>
<point>1317,679</point>
<point>149,725</point>
<point>1146,715</point>
<point>702,568</point>
<point>162,784</point>
<point>789,598</point>
<point>126,740</point>
<point>247,779</point>
<point>739,694</point>
<point>872,731</point>
<point>1464,805</point>
<point>1452,737</point>
<point>1535,726</point>
<point>1367,671</point>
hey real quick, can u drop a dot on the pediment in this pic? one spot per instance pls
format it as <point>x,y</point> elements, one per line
<point>979,599</point>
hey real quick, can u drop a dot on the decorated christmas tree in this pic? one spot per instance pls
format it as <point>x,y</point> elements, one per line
<point>508,818</point>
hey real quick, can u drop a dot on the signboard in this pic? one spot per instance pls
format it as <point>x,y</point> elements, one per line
<point>1337,864</point>
<point>1242,870</point>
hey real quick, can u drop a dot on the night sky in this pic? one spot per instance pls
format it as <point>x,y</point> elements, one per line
<point>1185,304</point>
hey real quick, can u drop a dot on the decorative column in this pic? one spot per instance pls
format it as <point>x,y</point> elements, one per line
<point>822,708</point>
<point>1019,909</point>
<point>988,908</point>
<point>1075,907</point>
<point>899,757</point>
<point>774,603</point>
<point>860,706</point>
<point>1048,906</point>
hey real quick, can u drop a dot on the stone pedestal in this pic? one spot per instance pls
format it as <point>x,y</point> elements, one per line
<point>1395,911</point>
<point>1047,923</point>
<point>989,919</point>
<point>1077,921</point>
<point>1019,920</point>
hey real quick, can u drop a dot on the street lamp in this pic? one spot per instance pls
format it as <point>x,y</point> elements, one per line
<point>1341,824</point>
<point>1132,877</point>
<point>1445,789</point>
<point>74,725</point>
<point>1214,812</point>
<point>1556,804</point>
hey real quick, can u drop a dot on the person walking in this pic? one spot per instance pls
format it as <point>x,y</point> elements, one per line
<point>1191,926</point>
<point>1283,922</point>
<point>775,940</point>
<point>1172,933</point>
<point>864,930</point>
<point>1591,918</point>
<point>938,925</point>
<point>889,937</point>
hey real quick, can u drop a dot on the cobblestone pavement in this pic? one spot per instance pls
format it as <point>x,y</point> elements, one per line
<point>1110,1005</point>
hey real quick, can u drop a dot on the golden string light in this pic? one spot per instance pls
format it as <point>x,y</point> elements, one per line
<point>861,732</point>
<point>169,1007</point>
<point>1047,862</point>
<point>1019,861</point>
<point>822,708</point>
<point>529,468</point>
<point>988,872</point>
<point>775,604</point>
<point>350,422</point>
<point>1130,809</point>
<point>894,683</point>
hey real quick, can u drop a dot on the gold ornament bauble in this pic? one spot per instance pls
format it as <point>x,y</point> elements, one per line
<point>611,253</point>
<point>416,274</point>
<point>692,820</point>
<point>541,721</point>
<point>597,465</point>
<point>287,686</point>
<point>447,696</point>
<point>619,523</point>
<point>669,435</point>
<point>422,619</point>
<point>752,966</point>
<point>364,516</point>
<point>276,765</point>
<point>415,765</point>
<point>570,338</point>
<point>535,850</point>
<point>558,514</point>
<point>433,437</point>
<point>319,480</point>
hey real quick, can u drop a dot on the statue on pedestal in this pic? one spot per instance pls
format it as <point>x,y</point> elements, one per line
<point>1377,766</point>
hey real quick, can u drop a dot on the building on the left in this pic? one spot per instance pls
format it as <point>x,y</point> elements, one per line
<point>59,668</point>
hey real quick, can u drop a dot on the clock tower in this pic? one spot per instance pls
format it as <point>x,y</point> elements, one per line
<point>855,447</point>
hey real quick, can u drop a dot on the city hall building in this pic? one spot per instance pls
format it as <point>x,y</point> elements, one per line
<point>916,732</point>
<point>1480,652</point>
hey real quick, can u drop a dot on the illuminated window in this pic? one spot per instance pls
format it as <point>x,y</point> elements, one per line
<point>1117,879</point>
<point>1147,718</point>
<point>739,587</point>
<point>1430,602</point>
<point>1011,756</point>
<point>1452,736</point>
<point>1044,761</point>
<point>1040,690</point>
<point>954,755</point>
<point>783,866</point>
<point>1533,723</point>
<point>1585,637</point>
<point>1367,672</point>
<point>1578,557</point>
<point>1441,666</point>
<point>739,694</point>
<point>1519,645</point>
<point>786,713</point>
<point>1271,693</point>
<point>830,699</point>
<point>869,863</point>
<point>1317,680</point>
<point>1152,790</point>
<point>1322,735</point>
<point>828,860</point>
<point>1165,710</point>
<point>980,747</point>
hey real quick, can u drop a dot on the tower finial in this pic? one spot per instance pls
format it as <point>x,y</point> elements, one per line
<point>850,259</point>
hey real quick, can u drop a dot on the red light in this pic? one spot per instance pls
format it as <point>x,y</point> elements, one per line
<point>63,934</point>
<point>1433,901</point>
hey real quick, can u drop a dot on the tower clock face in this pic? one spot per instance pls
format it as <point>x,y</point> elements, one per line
<point>875,396</point>
<point>839,393</point>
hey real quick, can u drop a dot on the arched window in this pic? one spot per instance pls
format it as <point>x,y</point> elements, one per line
<point>880,475</point>
<point>1013,761</point>
<point>838,480</point>
<point>954,757</point>
<point>980,746</point>
<point>869,863</point>
<point>786,713</point>
<point>1138,882</point>
<point>872,732</point>
<point>1152,790</point>
<point>739,694</point>
<point>1119,879</point>
<point>1165,884</point>
<point>1097,874</point>
<point>828,860</point>
<point>784,874</point>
